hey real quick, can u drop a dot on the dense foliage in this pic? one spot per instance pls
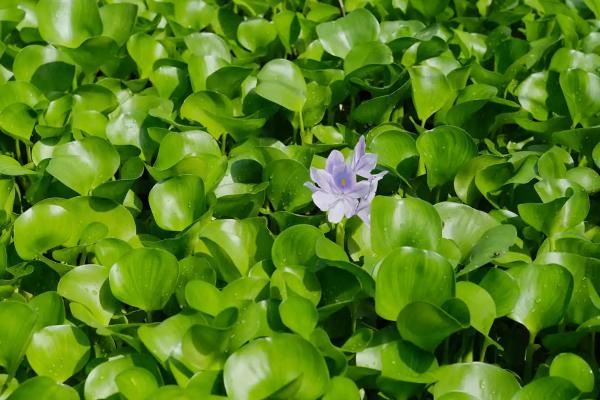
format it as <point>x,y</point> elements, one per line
<point>159,239</point>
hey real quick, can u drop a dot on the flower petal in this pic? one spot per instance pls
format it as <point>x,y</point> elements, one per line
<point>311,186</point>
<point>323,179</point>
<point>365,165</point>
<point>350,206</point>
<point>359,190</point>
<point>324,200</point>
<point>336,213</point>
<point>335,162</point>
<point>364,212</point>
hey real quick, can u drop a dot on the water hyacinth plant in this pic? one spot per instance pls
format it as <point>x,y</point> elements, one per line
<point>338,190</point>
<point>299,200</point>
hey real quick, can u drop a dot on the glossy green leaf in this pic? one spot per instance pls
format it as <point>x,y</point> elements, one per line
<point>136,383</point>
<point>16,331</point>
<point>480,380</point>
<point>58,351</point>
<point>444,150</point>
<point>68,22</point>
<point>236,245</point>
<point>144,278</point>
<point>255,34</point>
<point>55,229</point>
<point>574,368</point>
<point>405,222</point>
<point>299,315</point>
<point>85,164</point>
<point>549,386</point>
<point>578,87</point>
<point>286,185</point>
<point>102,379</point>
<point>177,202</point>
<point>87,288</point>
<point>42,387</point>
<point>481,305</point>
<point>426,80</point>
<point>368,53</point>
<point>427,325</point>
<point>340,36</point>
<point>503,288</point>
<point>283,365</point>
<point>398,278</point>
<point>544,296</point>
<point>281,82</point>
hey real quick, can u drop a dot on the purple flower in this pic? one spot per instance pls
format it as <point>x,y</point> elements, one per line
<point>337,190</point>
<point>363,163</point>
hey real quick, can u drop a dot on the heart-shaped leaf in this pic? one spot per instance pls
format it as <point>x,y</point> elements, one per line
<point>144,278</point>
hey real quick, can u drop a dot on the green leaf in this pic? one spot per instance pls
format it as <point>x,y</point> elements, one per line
<point>144,278</point>
<point>77,21</point>
<point>340,36</point>
<point>397,151</point>
<point>574,368</point>
<point>427,325</point>
<point>284,366</point>
<point>58,351</point>
<point>18,322</point>
<point>368,53</point>
<point>399,278</point>
<point>162,339</point>
<point>493,244</point>
<point>101,381</point>
<point>145,51</point>
<point>429,9</point>
<point>41,228</point>
<point>299,315</point>
<point>444,150</point>
<point>341,387</point>
<point>203,296</point>
<point>215,112</point>
<point>84,165</point>
<point>578,87</point>
<point>482,309</point>
<point>236,245</point>
<point>50,309</point>
<point>87,288</point>
<point>118,20</point>
<point>404,222</point>
<point>533,95</point>
<point>480,380</point>
<point>136,383</point>
<point>296,246</point>
<point>11,167</point>
<point>503,288</point>
<point>464,225</point>
<point>543,298</point>
<point>42,387</point>
<point>426,80</point>
<point>177,202</point>
<point>256,34</point>
<point>286,190</point>
<point>548,386</point>
<point>281,82</point>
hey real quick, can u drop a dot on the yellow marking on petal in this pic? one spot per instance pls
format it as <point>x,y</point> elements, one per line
<point>344,182</point>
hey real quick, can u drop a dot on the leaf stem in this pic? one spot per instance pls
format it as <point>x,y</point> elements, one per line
<point>342,8</point>
<point>224,143</point>
<point>6,383</point>
<point>18,150</point>
<point>340,234</point>
<point>531,348</point>
<point>301,120</point>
